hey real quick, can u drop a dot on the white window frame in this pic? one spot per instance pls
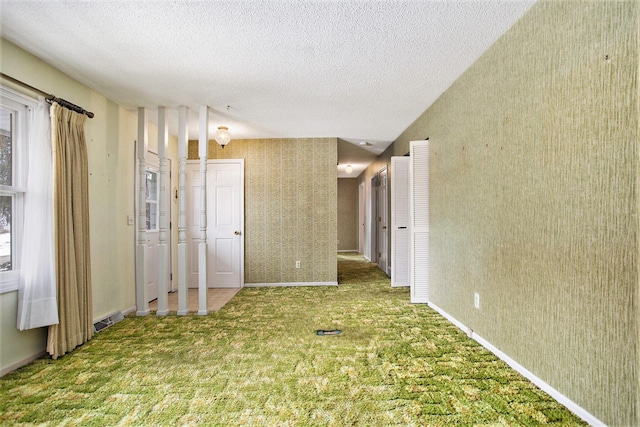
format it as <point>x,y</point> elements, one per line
<point>22,105</point>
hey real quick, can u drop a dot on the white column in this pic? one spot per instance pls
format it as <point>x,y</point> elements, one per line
<point>163,249</point>
<point>142,303</point>
<point>183,133</point>
<point>203,149</point>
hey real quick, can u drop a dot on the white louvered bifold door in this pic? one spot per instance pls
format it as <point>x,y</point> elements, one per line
<point>419,221</point>
<point>399,221</point>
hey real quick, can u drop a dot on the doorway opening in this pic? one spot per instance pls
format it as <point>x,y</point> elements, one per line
<point>379,221</point>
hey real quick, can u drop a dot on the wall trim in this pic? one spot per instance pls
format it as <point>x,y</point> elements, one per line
<point>129,311</point>
<point>9,281</point>
<point>347,250</point>
<point>561,398</point>
<point>269,285</point>
<point>22,362</point>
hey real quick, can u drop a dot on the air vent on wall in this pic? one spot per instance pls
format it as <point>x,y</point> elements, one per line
<point>108,321</point>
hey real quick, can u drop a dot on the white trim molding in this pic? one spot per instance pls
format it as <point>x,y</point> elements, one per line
<point>9,281</point>
<point>20,363</point>
<point>282,284</point>
<point>21,103</point>
<point>561,398</point>
<point>129,310</point>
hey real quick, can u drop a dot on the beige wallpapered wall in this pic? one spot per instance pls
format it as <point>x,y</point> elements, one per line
<point>110,135</point>
<point>290,207</point>
<point>347,214</point>
<point>534,204</point>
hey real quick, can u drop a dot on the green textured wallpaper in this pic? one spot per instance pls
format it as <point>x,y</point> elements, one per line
<point>290,207</point>
<point>534,200</point>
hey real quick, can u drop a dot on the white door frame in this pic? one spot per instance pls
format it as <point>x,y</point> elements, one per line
<point>224,233</point>
<point>361,217</point>
<point>152,164</point>
<point>192,230</point>
<point>383,220</point>
<point>374,220</point>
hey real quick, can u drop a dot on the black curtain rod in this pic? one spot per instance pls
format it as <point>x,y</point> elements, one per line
<point>50,98</point>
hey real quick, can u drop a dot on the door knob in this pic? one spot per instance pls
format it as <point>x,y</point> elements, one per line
<point>237,233</point>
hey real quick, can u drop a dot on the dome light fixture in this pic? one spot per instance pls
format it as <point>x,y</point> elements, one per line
<point>348,169</point>
<point>223,136</point>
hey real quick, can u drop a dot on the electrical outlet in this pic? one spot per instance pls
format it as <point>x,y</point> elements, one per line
<point>297,264</point>
<point>476,300</point>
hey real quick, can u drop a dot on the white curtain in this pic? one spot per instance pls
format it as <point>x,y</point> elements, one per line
<point>37,304</point>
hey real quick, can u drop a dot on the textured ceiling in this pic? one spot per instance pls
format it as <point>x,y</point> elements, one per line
<point>356,70</point>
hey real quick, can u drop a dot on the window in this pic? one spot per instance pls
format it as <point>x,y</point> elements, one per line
<point>14,126</point>
<point>7,125</point>
<point>152,200</point>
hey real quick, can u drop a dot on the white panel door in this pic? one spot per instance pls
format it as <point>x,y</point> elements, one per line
<point>400,221</point>
<point>152,209</point>
<point>152,189</point>
<point>224,213</point>
<point>151,212</point>
<point>361,217</point>
<point>373,219</point>
<point>419,221</point>
<point>193,222</point>
<point>225,223</point>
<point>383,226</point>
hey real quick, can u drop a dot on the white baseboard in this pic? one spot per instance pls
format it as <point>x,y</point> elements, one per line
<point>20,363</point>
<point>129,310</point>
<point>561,398</point>
<point>347,250</point>
<point>268,285</point>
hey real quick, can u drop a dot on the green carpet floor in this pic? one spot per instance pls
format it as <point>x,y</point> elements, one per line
<point>258,362</point>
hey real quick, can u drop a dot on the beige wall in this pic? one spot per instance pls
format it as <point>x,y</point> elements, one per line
<point>534,200</point>
<point>290,204</point>
<point>347,214</point>
<point>16,346</point>
<point>290,207</point>
<point>110,144</point>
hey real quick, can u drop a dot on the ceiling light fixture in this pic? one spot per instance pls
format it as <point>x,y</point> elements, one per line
<point>223,136</point>
<point>348,169</point>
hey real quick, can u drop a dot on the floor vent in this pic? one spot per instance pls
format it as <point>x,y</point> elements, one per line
<point>108,321</point>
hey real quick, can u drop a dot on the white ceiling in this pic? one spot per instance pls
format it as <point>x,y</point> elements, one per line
<point>357,70</point>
